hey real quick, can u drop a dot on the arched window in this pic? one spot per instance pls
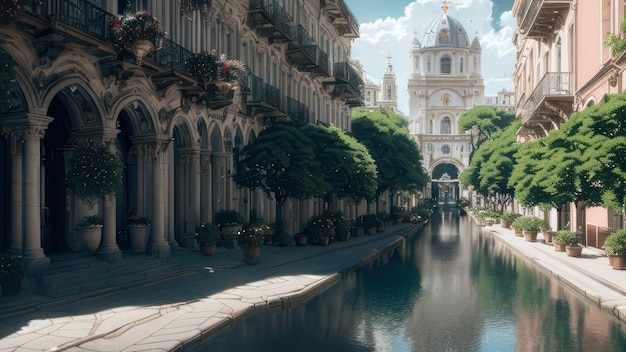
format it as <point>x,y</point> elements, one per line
<point>430,128</point>
<point>446,126</point>
<point>445,64</point>
<point>417,64</point>
<point>430,147</point>
<point>429,64</point>
<point>461,65</point>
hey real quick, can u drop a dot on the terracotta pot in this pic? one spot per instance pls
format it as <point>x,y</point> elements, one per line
<point>505,224</point>
<point>251,254</point>
<point>519,233</point>
<point>618,261</point>
<point>559,247</point>
<point>530,236</point>
<point>301,240</point>
<point>208,250</point>
<point>574,251</point>
<point>324,241</point>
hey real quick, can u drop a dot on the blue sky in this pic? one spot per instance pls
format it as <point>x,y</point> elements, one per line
<point>388,26</point>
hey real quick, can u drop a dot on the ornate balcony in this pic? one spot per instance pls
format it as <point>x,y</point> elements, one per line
<point>341,17</point>
<point>270,20</point>
<point>261,99</point>
<point>346,84</point>
<point>297,112</point>
<point>550,104</point>
<point>539,18</point>
<point>306,54</point>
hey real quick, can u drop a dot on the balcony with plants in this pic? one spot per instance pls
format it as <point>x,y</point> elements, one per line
<point>133,39</point>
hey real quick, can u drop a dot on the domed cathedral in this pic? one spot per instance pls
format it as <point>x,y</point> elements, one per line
<point>445,82</point>
<point>142,77</point>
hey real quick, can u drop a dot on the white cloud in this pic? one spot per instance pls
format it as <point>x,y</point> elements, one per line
<point>395,35</point>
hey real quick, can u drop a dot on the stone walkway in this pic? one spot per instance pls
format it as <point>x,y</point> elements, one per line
<point>213,293</point>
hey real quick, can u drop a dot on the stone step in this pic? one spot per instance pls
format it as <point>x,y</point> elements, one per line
<point>88,274</point>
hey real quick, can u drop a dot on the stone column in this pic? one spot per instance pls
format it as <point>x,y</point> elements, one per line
<point>160,247</point>
<point>109,249</point>
<point>34,258</point>
<point>16,196</point>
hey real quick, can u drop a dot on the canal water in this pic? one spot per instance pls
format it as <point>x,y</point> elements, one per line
<point>449,288</point>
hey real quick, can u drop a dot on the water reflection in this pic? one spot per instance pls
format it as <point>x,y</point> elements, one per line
<point>450,288</point>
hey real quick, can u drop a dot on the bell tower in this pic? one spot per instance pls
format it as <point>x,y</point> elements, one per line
<point>389,90</point>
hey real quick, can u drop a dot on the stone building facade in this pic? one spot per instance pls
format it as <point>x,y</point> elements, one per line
<point>445,82</point>
<point>176,136</point>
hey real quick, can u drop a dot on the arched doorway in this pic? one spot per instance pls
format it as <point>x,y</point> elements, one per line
<point>445,185</point>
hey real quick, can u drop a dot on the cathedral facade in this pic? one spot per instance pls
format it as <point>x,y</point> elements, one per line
<point>445,82</point>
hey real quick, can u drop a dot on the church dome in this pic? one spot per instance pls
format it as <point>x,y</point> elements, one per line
<point>445,31</point>
<point>416,45</point>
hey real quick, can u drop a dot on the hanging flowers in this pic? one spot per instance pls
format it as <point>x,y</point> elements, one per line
<point>8,11</point>
<point>188,7</point>
<point>230,70</point>
<point>202,66</point>
<point>129,28</point>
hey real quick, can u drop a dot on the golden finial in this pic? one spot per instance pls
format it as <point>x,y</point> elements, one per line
<point>389,57</point>
<point>445,6</point>
<point>415,33</point>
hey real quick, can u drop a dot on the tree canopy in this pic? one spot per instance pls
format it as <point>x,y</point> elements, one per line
<point>282,163</point>
<point>398,158</point>
<point>487,121</point>
<point>346,164</point>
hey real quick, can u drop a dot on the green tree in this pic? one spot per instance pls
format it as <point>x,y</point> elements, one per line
<point>282,163</point>
<point>490,168</point>
<point>398,158</point>
<point>487,121</point>
<point>346,164</point>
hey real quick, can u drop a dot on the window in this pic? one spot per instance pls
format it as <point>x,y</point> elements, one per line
<point>445,64</point>
<point>429,64</point>
<point>461,65</point>
<point>417,64</point>
<point>445,149</point>
<point>389,92</point>
<point>430,147</point>
<point>430,128</point>
<point>445,127</point>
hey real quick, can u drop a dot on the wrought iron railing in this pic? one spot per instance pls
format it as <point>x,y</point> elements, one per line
<point>529,10</point>
<point>344,72</point>
<point>305,42</point>
<point>552,84</point>
<point>347,14</point>
<point>298,112</point>
<point>171,55</point>
<point>272,96</point>
<point>280,18</point>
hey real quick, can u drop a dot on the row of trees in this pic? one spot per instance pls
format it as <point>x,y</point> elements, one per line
<point>286,161</point>
<point>583,162</point>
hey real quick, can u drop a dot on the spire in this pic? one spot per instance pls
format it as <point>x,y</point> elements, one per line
<point>445,6</point>
<point>389,57</point>
<point>389,69</point>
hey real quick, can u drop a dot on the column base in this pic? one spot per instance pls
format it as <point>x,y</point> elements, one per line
<point>160,250</point>
<point>35,261</point>
<point>110,252</point>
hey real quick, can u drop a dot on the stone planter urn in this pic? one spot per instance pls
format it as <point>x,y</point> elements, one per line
<point>138,238</point>
<point>91,237</point>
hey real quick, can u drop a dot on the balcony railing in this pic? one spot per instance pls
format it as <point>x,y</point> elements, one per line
<point>342,18</point>
<point>538,17</point>
<point>265,12</point>
<point>342,71</point>
<point>306,54</point>
<point>298,112</point>
<point>554,86</point>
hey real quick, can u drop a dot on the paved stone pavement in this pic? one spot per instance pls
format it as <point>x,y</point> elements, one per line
<point>212,293</point>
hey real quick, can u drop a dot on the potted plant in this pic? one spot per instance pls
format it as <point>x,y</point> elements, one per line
<point>8,11</point>
<point>507,219</point>
<point>369,223</point>
<point>91,228</point>
<point>320,228</point>
<point>569,239</point>
<point>95,170</point>
<point>517,225</point>
<point>11,274</point>
<point>615,247</point>
<point>138,232</point>
<point>342,226</point>
<point>203,66</point>
<point>531,225</point>
<point>250,241</point>
<point>139,33</point>
<point>208,236</point>
<point>562,238</point>
<point>230,224</point>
